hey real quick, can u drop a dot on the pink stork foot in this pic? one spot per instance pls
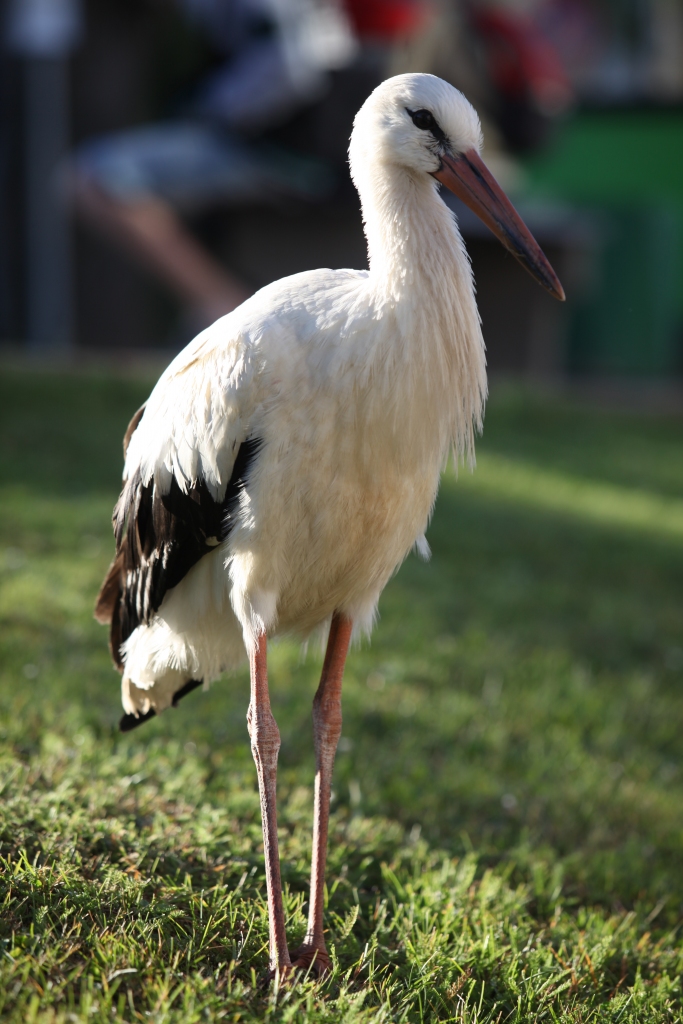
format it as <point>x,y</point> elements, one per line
<point>310,958</point>
<point>305,960</point>
<point>286,974</point>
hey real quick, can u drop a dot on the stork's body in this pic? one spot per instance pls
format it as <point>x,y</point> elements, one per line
<point>351,394</point>
<point>289,458</point>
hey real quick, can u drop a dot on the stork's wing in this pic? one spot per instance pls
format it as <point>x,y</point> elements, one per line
<point>188,453</point>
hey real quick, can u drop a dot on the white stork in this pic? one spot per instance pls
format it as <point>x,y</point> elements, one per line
<point>289,458</point>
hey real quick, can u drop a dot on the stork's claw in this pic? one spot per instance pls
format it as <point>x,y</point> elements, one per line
<point>268,976</point>
<point>306,960</point>
<point>311,959</point>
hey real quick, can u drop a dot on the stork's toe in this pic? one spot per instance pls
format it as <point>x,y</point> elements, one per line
<point>311,959</point>
<point>307,960</point>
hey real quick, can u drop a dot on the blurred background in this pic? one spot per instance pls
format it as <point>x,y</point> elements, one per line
<point>162,159</point>
<point>521,703</point>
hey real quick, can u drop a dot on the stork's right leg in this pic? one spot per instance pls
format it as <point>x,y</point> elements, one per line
<point>327,724</point>
<point>265,746</point>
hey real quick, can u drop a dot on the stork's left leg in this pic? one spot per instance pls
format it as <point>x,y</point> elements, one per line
<point>327,723</point>
<point>265,746</point>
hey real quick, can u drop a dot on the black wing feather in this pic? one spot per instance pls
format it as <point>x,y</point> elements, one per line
<point>159,537</point>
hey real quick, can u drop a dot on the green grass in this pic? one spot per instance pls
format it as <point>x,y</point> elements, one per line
<point>507,836</point>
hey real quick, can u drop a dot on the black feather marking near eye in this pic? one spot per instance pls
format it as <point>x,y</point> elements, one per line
<point>159,537</point>
<point>426,122</point>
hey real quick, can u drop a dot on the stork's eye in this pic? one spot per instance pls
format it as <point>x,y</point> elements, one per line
<point>424,120</point>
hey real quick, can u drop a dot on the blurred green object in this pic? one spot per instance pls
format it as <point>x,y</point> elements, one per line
<point>629,321</point>
<point>626,169</point>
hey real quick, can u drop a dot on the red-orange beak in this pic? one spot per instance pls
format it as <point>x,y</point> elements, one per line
<point>469,178</point>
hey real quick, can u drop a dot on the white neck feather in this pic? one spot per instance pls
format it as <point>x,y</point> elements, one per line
<point>420,272</point>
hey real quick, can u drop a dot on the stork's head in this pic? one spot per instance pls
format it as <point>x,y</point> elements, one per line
<point>422,124</point>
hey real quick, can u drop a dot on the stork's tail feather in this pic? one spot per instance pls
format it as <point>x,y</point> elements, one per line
<point>129,722</point>
<point>132,721</point>
<point>110,592</point>
<point>108,607</point>
<point>109,600</point>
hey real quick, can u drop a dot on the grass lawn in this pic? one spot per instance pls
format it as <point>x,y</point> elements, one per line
<point>507,838</point>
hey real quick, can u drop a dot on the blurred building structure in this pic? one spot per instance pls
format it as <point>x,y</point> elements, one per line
<point>582,105</point>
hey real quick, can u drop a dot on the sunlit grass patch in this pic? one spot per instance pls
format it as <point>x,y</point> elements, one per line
<point>507,832</point>
<point>568,495</point>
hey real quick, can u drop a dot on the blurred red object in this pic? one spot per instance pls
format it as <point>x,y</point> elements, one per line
<point>523,63</point>
<point>387,19</point>
<point>531,86</point>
